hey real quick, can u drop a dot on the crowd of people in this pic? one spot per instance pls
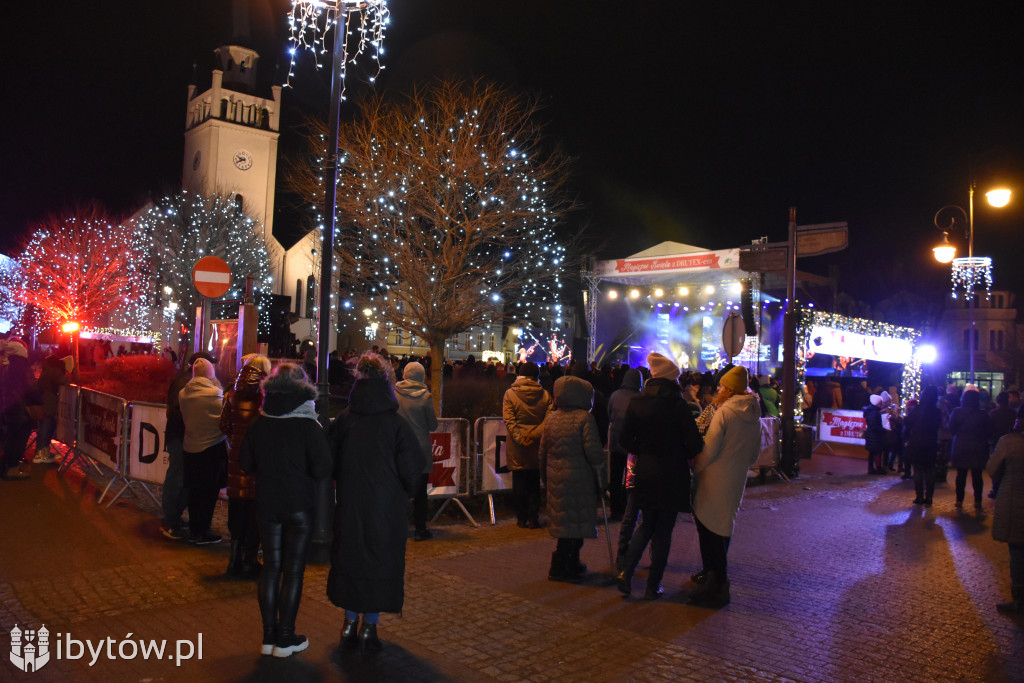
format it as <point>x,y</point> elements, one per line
<point>653,441</point>
<point>971,433</point>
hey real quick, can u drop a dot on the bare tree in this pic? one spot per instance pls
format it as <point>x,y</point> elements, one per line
<point>449,207</point>
<point>184,228</point>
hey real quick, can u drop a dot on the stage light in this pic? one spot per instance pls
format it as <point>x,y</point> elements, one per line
<point>710,289</point>
<point>684,291</point>
<point>736,288</point>
<point>517,331</point>
<point>686,308</point>
<point>613,294</point>
<point>658,292</point>
<point>810,305</point>
<point>729,304</point>
<point>927,353</point>
<point>634,294</point>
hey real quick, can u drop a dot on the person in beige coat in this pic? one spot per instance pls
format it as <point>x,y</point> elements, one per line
<point>573,465</point>
<point>523,408</point>
<point>731,446</point>
<point>1007,470</point>
<point>205,449</point>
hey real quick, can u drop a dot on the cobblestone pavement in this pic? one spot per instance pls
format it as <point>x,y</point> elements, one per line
<point>835,577</point>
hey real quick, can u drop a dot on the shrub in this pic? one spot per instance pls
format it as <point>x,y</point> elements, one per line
<point>135,378</point>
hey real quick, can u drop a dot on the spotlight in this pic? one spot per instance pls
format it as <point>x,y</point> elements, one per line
<point>613,294</point>
<point>634,294</point>
<point>658,292</point>
<point>710,289</point>
<point>736,288</point>
<point>927,353</point>
<point>684,291</point>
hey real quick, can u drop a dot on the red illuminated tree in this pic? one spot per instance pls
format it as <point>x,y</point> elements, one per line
<point>82,267</point>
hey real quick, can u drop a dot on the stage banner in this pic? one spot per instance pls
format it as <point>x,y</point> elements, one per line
<point>447,447</point>
<point>695,262</point>
<point>770,427</point>
<point>493,435</point>
<point>841,426</point>
<point>147,457</point>
<point>67,412</point>
<point>101,427</point>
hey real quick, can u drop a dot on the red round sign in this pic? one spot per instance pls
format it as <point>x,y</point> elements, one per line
<point>211,276</point>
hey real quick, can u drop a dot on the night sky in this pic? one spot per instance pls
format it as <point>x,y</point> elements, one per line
<point>695,122</point>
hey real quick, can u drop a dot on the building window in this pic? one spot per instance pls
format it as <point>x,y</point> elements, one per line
<point>999,300</point>
<point>991,340</point>
<point>298,298</point>
<point>238,205</point>
<point>967,339</point>
<point>999,340</point>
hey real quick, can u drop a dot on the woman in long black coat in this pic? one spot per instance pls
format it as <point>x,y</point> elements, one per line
<point>377,463</point>
<point>971,429</point>
<point>921,431</point>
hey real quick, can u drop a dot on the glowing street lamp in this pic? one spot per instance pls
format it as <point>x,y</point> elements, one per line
<point>73,328</point>
<point>971,270</point>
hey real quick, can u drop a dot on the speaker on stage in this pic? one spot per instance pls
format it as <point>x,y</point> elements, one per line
<point>747,309</point>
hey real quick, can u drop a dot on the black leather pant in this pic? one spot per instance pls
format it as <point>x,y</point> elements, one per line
<point>285,539</point>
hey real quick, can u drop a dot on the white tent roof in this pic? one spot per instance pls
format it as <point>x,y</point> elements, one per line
<point>672,263</point>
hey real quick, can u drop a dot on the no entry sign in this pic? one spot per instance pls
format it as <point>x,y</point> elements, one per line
<point>211,276</point>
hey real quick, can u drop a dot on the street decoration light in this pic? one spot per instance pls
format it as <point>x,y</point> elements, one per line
<point>310,21</point>
<point>968,272</point>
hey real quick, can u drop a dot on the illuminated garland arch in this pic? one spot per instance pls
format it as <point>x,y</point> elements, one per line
<point>809,318</point>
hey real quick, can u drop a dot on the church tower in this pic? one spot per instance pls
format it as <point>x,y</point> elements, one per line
<point>231,138</point>
<point>231,148</point>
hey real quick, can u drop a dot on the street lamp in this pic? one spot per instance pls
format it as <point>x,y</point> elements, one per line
<point>310,21</point>
<point>968,271</point>
<point>73,328</point>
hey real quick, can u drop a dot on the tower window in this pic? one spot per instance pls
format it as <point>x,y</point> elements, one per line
<point>298,298</point>
<point>238,205</point>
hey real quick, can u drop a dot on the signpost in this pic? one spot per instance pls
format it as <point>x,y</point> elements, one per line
<point>212,278</point>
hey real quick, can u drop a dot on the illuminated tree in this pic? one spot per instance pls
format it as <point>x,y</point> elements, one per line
<point>448,205</point>
<point>183,228</point>
<point>82,267</point>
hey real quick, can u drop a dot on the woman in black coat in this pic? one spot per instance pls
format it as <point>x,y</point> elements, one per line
<point>874,435</point>
<point>969,453</point>
<point>921,432</point>
<point>287,451</point>
<point>377,463</point>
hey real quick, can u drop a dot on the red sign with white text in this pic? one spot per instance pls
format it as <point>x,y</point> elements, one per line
<point>842,426</point>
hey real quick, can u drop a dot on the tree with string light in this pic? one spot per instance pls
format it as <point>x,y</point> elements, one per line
<point>181,229</point>
<point>449,206</point>
<point>82,267</point>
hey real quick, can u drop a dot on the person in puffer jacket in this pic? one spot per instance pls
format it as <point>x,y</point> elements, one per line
<point>416,405</point>
<point>731,447</point>
<point>205,449</point>
<point>573,465</point>
<point>241,408</point>
<point>524,408</point>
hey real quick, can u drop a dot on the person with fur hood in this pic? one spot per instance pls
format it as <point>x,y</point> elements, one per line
<point>661,432</point>
<point>241,408</point>
<point>525,405</point>
<point>416,405</point>
<point>573,465</point>
<point>731,447</point>
<point>287,451</point>
<point>205,449</point>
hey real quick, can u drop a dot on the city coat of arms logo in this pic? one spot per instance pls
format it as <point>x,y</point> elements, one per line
<point>30,649</point>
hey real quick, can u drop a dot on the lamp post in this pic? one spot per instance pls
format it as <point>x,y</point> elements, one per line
<point>970,270</point>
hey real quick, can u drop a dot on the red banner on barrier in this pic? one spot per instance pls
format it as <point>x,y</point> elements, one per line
<point>442,479</point>
<point>843,426</point>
